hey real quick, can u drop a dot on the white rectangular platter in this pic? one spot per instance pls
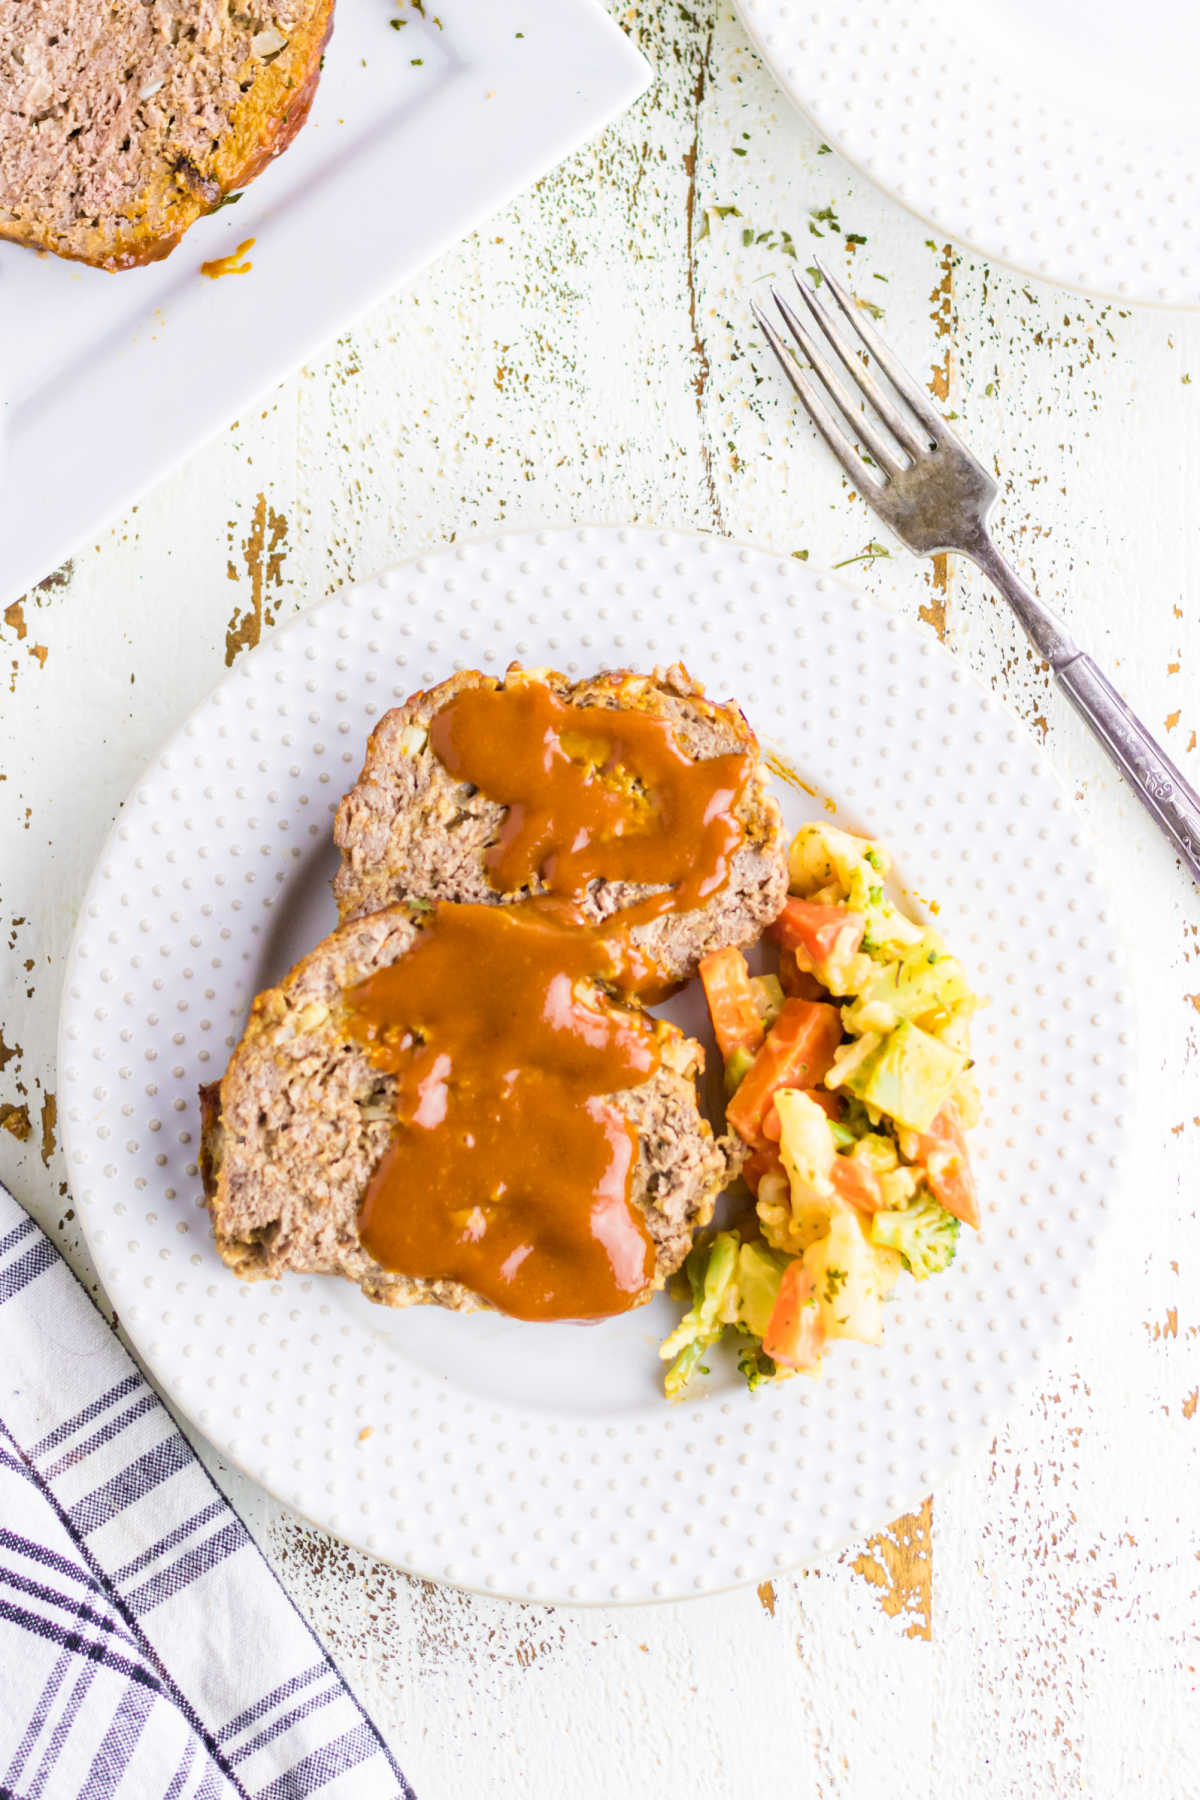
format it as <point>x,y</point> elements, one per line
<point>417,135</point>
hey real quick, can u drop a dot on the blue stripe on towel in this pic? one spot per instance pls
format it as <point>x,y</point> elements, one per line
<point>145,1646</point>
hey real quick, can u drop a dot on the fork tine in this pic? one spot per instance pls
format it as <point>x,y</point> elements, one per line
<point>914,442</point>
<point>861,427</point>
<point>899,377</point>
<point>853,466</point>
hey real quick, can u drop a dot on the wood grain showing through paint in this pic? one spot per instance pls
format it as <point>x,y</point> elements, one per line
<point>899,1562</point>
<point>263,551</point>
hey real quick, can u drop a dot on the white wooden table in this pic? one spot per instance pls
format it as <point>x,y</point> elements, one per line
<point>1033,1631</point>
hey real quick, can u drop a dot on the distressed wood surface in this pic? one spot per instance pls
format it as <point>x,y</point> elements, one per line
<point>1032,1631</point>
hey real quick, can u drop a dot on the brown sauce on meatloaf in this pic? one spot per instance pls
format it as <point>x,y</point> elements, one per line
<point>510,1170</point>
<point>594,792</point>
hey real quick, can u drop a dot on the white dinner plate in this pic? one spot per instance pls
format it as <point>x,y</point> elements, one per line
<point>543,1460</point>
<point>415,137</point>
<point>1059,138</point>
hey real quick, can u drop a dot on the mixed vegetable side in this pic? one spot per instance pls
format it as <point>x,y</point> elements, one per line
<point>847,1076</point>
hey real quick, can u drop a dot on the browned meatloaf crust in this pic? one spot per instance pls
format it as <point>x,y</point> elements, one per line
<point>122,121</point>
<point>408,830</point>
<point>298,1123</point>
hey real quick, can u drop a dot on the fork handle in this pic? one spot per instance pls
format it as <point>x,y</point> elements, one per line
<point>1162,790</point>
<point>1169,799</point>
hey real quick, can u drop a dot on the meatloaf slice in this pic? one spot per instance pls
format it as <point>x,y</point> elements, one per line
<point>409,830</point>
<point>122,121</point>
<point>297,1125</point>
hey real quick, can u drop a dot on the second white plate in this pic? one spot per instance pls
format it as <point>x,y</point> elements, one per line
<point>540,1460</point>
<point>1064,141</point>
<point>416,135</point>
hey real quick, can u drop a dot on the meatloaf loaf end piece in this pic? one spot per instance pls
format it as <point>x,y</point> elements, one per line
<point>122,121</point>
<point>297,1125</point>
<point>408,830</point>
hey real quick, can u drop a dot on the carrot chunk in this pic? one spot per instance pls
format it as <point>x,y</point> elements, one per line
<point>795,1333</point>
<point>858,1184</point>
<point>796,1052</point>
<point>736,1019</point>
<point>943,1150</point>
<point>760,1163</point>
<point>807,925</point>
<point>796,981</point>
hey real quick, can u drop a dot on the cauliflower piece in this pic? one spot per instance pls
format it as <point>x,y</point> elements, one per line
<point>822,861</point>
<point>849,1279</point>
<point>774,1208</point>
<point>806,1143</point>
<point>897,1187</point>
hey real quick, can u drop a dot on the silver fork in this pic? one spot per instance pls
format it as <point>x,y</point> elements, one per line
<point>928,488</point>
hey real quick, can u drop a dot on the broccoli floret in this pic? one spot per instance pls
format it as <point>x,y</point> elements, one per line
<point>711,1269</point>
<point>756,1365</point>
<point>925,1234</point>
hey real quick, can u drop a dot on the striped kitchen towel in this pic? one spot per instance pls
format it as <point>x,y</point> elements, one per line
<point>147,1652</point>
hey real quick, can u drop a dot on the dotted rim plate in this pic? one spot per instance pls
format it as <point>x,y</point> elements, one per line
<point>482,1452</point>
<point>1087,198</point>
